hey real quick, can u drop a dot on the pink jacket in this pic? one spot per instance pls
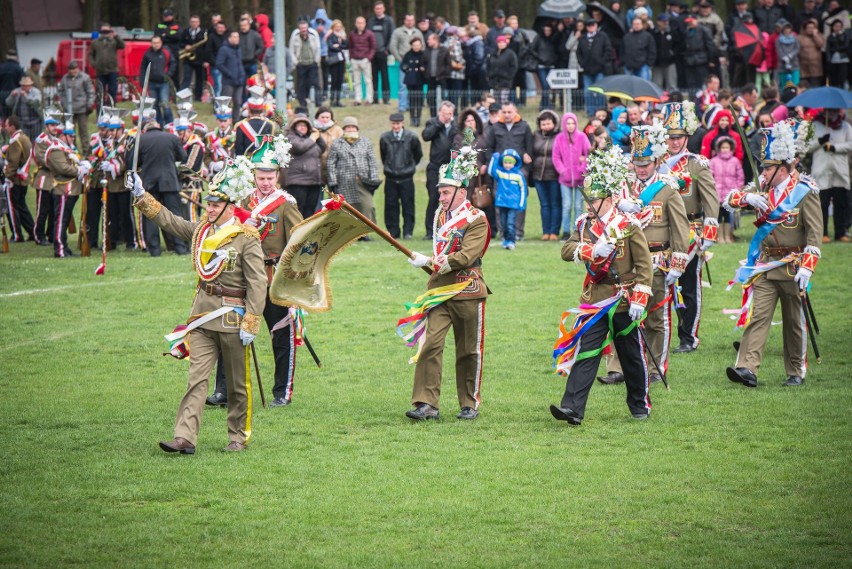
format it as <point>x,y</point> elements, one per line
<point>728,174</point>
<point>570,153</point>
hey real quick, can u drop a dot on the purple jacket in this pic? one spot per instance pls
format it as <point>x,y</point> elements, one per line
<point>567,152</point>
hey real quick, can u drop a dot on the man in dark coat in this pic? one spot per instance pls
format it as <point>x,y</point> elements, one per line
<point>440,131</point>
<point>400,152</point>
<point>158,152</point>
<point>640,50</point>
<point>698,51</point>
<point>11,73</point>
<point>766,15</point>
<point>596,56</point>
<point>437,60</point>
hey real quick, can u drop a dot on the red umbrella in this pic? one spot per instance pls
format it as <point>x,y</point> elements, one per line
<point>747,41</point>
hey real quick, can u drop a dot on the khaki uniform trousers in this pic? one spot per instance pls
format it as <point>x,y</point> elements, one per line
<point>365,202</point>
<point>204,348</point>
<point>658,330</point>
<point>767,293</point>
<point>467,317</point>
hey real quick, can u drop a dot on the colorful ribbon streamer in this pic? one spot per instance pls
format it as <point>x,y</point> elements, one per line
<point>417,312</point>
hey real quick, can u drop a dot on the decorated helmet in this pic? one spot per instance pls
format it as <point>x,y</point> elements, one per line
<point>234,183</point>
<point>257,98</point>
<point>680,118</point>
<point>222,108</point>
<point>648,142</point>
<point>463,165</point>
<point>606,173</point>
<point>778,144</point>
<point>270,152</point>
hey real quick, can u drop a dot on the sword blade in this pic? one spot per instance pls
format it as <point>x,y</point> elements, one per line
<point>144,95</point>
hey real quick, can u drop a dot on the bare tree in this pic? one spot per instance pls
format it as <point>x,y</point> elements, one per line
<point>7,28</point>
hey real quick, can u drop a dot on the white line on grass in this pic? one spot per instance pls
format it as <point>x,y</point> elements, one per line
<point>81,285</point>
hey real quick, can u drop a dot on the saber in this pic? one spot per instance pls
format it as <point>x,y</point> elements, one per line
<point>618,280</point>
<point>811,312</point>
<point>707,266</point>
<point>810,328</point>
<point>311,350</point>
<point>135,164</point>
<point>257,371</point>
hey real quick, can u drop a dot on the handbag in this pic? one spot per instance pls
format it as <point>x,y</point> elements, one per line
<point>481,197</point>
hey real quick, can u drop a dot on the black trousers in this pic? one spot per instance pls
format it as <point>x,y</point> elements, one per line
<point>44,216</point>
<point>690,317</point>
<point>432,94</point>
<point>20,218</point>
<point>399,191</point>
<point>324,83</point>
<point>415,104</point>
<point>337,71</point>
<point>840,198</point>
<point>93,215</point>
<point>120,219</point>
<point>631,354</point>
<point>307,76</point>
<point>694,77</point>
<point>307,198</point>
<point>380,69</point>
<point>171,201</point>
<point>432,189</point>
<point>283,350</point>
<point>190,71</point>
<point>63,209</point>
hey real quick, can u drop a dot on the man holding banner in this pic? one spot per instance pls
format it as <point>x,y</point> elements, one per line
<point>456,295</point>
<point>274,213</point>
<point>229,299</point>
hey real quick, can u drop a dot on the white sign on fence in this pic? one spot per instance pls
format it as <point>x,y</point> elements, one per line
<point>562,79</point>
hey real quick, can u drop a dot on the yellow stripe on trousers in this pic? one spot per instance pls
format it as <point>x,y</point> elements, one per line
<point>248,395</point>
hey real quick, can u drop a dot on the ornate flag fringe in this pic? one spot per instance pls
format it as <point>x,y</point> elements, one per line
<point>754,273</point>
<point>417,312</point>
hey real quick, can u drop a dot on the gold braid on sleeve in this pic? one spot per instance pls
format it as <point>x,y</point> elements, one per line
<point>251,323</point>
<point>148,205</point>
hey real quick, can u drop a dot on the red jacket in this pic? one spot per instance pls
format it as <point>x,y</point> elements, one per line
<point>707,149</point>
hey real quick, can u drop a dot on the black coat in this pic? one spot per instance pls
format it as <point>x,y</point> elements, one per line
<point>544,50</point>
<point>441,139</point>
<point>502,67</point>
<point>665,47</point>
<point>158,152</point>
<point>400,157</point>
<point>443,64</point>
<point>698,46</point>
<point>412,68</point>
<point>520,139</point>
<point>162,64</point>
<point>596,56</point>
<point>640,49</point>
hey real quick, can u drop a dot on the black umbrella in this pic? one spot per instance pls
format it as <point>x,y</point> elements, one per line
<point>558,9</point>
<point>628,87</point>
<point>612,23</point>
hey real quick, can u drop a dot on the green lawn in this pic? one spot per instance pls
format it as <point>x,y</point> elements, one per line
<point>719,476</point>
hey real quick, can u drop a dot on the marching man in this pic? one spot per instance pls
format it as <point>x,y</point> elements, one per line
<point>229,299</point>
<point>614,251</point>
<point>44,179</point>
<point>119,209</point>
<point>782,256</point>
<point>220,141</point>
<point>655,200</point>
<point>249,129</point>
<point>68,172</point>
<point>698,191</point>
<point>460,239</point>
<point>274,212</point>
<point>190,174</point>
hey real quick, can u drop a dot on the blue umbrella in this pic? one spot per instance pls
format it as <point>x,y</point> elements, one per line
<point>823,98</point>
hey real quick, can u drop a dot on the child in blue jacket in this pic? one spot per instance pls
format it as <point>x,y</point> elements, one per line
<point>619,130</point>
<point>510,191</point>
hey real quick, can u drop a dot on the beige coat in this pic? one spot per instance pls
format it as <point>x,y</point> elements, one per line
<point>810,55</point>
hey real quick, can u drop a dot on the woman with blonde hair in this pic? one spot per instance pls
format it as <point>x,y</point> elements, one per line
<point>335,39</point>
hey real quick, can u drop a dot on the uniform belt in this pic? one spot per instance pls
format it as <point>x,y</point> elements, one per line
<point>219,290</point>
<point>657,246</point>
<point>626,278</point>
<point>781,251</point>
<point>271,261</point>
<point>695,216</point>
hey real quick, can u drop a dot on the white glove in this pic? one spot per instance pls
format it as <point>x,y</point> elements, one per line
<point>217,165</point>
<point>104,166</point>
<point>803,276</point>
<point>134,183</point>
<point>706,244</point>
<point>419,260</point>
<point>672,277</point>
<point>757,201</point>
<point>603,248</point>
<point>86,165</point>
<point>246,338</point>
<point>629,206</point>
<point>251,222</point>
<point>636,310</point>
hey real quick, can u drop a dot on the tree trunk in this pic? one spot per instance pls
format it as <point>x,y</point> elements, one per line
<point>7,28</point>
<point>181,8</point>
<point>145,14</point>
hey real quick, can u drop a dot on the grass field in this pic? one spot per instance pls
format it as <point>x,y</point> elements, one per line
<point>720,476</point>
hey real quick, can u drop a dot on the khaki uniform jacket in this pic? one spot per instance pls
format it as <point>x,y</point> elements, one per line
<point>699,194</point>
<point>17,154</point>
<point>245,273</point>
<point>801,229</point>
<point>465,261</point>
<point>632,263</point>
<point>275,235</point>
<point>114,185</point>
<point>43,177</point>
<point>62,163</point>
<point>668,221</point>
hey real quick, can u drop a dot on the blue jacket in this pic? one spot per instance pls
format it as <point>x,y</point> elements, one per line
<point>510,185</point>
<point>619,133</point>
<point>229,63</point>
<point>326,26</point>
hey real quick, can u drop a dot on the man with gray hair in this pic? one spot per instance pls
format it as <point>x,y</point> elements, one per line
<point>77,94</point>
<point>400,44</point>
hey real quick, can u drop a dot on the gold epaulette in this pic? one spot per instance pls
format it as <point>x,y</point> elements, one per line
<point>250,231</point>
<point>148,205</point>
